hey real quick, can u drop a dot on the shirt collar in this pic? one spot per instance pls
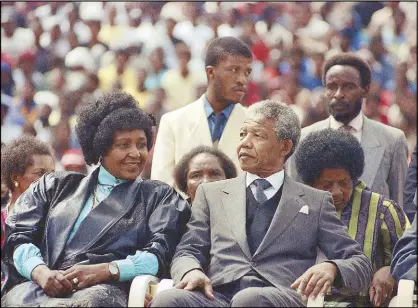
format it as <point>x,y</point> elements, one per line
<point>276,179</point>
<point>107,179</point>
<point>209,110</point>
<point>356,123</point>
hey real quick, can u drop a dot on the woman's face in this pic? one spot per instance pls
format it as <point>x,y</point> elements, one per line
<point>203,168</point>
<point>128,154</point>
<point>339,183</point>
<point>41,164</point>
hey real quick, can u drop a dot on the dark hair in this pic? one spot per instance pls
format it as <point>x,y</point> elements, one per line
<point>182,167</point>
<point>17,156</point>
<point>99,120</point>
<point>350,59</point>
<point>221,47</point>
<point>331,149</point>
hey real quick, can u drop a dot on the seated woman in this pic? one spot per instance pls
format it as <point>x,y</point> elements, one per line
<point>76,240</point>
<point>202,164</point>
<point>23,161</point>
<point>333,160</point>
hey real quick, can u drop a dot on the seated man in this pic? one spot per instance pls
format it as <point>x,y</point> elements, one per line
<point>252,240</point>
<point>404,262</point>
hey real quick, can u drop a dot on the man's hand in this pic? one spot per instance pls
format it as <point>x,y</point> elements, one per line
<point>53,283</point>
<point>83,276</point>
<point>316,280</point>
<point>381,287</point>
<point>148,299</point>
<point>196,279</point>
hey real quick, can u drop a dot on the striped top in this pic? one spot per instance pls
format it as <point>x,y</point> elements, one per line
<point>375,222</point>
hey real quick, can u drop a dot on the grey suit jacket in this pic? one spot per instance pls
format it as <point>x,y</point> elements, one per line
<point>216,240</point>
<point>386,157</point>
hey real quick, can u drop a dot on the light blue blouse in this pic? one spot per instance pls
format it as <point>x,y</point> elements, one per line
<point>27,256</point>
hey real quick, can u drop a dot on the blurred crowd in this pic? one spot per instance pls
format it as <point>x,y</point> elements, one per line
<point>57,56</point>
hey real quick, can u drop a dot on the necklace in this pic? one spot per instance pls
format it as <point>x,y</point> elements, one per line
<point>95,200</point>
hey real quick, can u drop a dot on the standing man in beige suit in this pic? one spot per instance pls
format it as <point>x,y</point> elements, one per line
<point>347,79</point>
<point>215,118</point>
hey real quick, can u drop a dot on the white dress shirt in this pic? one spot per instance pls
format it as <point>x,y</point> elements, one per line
<point>276,181</point>
<point>356,124</point>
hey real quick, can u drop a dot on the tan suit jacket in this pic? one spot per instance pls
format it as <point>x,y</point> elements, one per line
<point>186,128</point>
<point>305,220</point>
<point>385,157</point>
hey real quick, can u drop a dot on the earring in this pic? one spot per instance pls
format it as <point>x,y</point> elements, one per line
<point>16,184</point>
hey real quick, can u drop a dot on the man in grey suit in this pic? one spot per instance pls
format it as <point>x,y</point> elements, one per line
<point>252,240</point>
<point>347,81</point>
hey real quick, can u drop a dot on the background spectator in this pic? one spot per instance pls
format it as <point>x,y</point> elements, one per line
<point>125,43</point>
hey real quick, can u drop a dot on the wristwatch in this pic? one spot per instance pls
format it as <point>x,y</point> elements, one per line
<point>114,271</point>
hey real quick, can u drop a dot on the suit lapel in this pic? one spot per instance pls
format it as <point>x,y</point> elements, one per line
<point>234,204</point>
<point>64,216</point>
<point>373,152</point>
<point>230,136</point>
<point>103,217</point>
<point>199,126</point>
<point>289,206</point>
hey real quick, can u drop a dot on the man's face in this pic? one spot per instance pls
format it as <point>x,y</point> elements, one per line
<point>344,92</point>
<point>259,150</point>
<point>230,78</point>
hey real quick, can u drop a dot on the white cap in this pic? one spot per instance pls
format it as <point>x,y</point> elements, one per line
<point>79,56</point>
<point>6,100</point>
<point>91,11</point>
<point>46,98</point>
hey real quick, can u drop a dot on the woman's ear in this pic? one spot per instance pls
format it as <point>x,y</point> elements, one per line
<point>15,178</point>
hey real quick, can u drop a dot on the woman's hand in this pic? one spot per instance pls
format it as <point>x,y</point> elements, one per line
<point>381,287</point>
<point>52,282</point>
<point>83,276</point>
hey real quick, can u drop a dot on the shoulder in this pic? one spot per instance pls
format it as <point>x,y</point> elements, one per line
<point>179,114</point>
<point>384,130</point>
<point>153,186</point>
<point>315,127</point>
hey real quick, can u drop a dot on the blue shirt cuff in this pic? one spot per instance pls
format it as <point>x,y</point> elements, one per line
<point>30,265</point>
<point>126,269</point>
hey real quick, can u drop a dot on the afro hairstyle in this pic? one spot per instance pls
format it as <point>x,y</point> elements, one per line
<point>17,156</point>
<point>98,121</point>
<point>329,149</point>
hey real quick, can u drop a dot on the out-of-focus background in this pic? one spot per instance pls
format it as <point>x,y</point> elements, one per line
<point>57,56</point>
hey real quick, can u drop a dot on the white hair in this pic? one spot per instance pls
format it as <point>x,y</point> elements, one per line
<point>287,122</point>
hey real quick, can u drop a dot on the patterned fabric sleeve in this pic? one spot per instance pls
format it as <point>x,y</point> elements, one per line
<point>394,223</point>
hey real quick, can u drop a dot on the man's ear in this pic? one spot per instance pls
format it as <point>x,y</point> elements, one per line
<point>366,90</point>
<point>209,72</point>
<point>286,146</point>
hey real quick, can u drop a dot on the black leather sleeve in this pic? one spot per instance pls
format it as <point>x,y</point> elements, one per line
<point>169,215</point>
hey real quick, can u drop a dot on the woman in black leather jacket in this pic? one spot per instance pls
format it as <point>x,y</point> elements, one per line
<point>76,240</point>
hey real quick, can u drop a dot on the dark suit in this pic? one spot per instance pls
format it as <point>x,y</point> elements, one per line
<point>138,215</point>
<point>409,205</point>
<point>216,242</point>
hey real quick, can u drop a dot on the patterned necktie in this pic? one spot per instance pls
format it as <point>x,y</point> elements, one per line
<point>346,128</point>
<point>217,128</point>
<point>261,185</point>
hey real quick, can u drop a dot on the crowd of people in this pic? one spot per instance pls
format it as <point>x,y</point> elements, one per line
<point>116,116</point>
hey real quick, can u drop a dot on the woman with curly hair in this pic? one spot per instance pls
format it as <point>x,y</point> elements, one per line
<point>80,240</point>
<point>202,164</point>
<point>333,160</point>
<point>23,161</point>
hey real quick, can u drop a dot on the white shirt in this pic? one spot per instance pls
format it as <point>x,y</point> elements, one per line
<point>276,181</point>
<point>356,125</point>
